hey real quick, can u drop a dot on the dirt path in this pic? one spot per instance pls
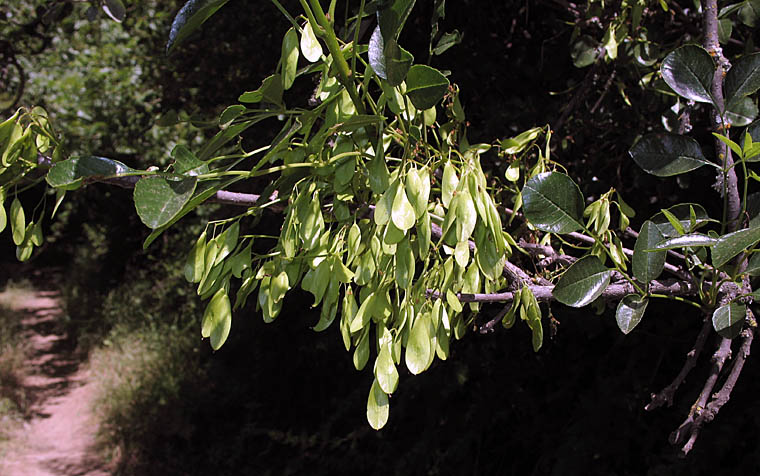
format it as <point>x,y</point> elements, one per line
<point>58,439</point>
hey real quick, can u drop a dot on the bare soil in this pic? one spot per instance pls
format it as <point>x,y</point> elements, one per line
<point>58,437</point>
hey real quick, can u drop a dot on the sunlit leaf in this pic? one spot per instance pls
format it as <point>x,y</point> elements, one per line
<point>158,200</point>
<point>629,312</point>
<point>728,320</point>
<point>688,71</point>
<point>732,244</point>
<point>70,173</point>
<point>418,348</point>
<point>189,18</point>
<point>217,319</point>
<point>377,406</point>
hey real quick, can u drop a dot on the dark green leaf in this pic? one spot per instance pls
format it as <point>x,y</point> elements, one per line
<point>629,312</point>
<point>583,282</point>
<point>70,173</point>
<point>732,244</point>
<point>115,9</point>
<point>270,91</point>
<point>230,114</point>
<point>584,51</point>
<point>688,70</point>
<point>648,265</point>
<point>666,154</point>
<point>397,62</point>
<point>447,41</point>
<point>158,200</point>
<point>189,18</point>
<point>743,78</point>
<point>553,202</point>
<point>392,16</point>
<point>749,12</point>
<point>742,112</point>
<point>753,267</point>
<point>728,320</point>
<point>425,86</point>
<point>692,239</point>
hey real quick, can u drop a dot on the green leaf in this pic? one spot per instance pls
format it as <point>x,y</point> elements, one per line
<point>115,9</point>
<point>392,16</point>
<point>385,370</point>
<point>749,12</point>
<point>583,282</point>
<point>418,347</point>
<point>377,406</point>
<point>629,312</point>
<point>186,163</point>
<point>425,86</point>
<point>648,265</point>
<point>728,320</point>
<point>736,148</point>
<point>18,222</point>
<point>195,262</point>
<point>217,319</point>
<point>666,154</point>
<point>584,51</point>
<point>158,200</point>
<point>742,112</point>
<point>289,58</point>
<point>270,91</point>
<point>753,267</point>
<point>447,41</point>
<point>552,202</point>
<point>378,173</point>
<point>3,217</point>
<point>688,71</point>
<point>732,244</point>
<point>405,266</point>
<point>692,239</point>
<point>682,212</point>
<point>397,62</point>
<point>70,173</point>
<point>189,18</point>
<point>230,114</point>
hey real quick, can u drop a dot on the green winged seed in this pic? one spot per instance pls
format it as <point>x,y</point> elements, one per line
<point>449,184</point>
<point>377,406</point>
<point>402,213</point>
<point>18,221</point>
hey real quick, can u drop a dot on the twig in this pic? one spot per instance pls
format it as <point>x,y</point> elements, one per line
<point>665,396</point>
<point>689,427</point>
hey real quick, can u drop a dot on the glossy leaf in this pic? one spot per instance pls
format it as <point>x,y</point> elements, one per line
<point>742,79</point>
<point>629,312</point>
<point>688,71</point>
<point>115,9</point>
<point>158,200</point>
<point>665,155</point>
<point>377,406</point>
<point>425,86</point>
<point>189,18</point>
<point>732,244</point>
<point>692,239</point>
<point>647,265</point>
<point>552,202</point>
<point>583,282</point>
<point>186,163</point>
<point>742,112</point>
<point>728,320</point>
<point>70,174</point>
